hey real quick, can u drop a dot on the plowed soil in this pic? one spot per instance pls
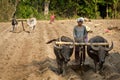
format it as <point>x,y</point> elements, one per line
<point>26,56</point>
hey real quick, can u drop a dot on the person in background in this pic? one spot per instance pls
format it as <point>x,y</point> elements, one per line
<point>32,22</point>
<point>52,18</point>
<point>80,35</point>
<point>14,23</point>
<point>88,31</point>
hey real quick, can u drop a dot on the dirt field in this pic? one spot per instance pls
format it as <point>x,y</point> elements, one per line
<point>25,56</point>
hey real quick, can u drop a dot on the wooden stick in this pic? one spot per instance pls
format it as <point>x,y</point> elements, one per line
<point>61,43</point>
<point>23,25</point>
<point>21,19</point>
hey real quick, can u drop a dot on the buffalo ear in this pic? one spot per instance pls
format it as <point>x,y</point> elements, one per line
<point>71,46</point>
<point>93,52</point>
<point>107,54</point>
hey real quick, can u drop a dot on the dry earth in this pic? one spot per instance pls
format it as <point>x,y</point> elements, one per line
<point>25,56</point>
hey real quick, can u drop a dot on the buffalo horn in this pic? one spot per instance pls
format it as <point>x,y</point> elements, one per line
<point>110,48</point>
<point>59,47</point>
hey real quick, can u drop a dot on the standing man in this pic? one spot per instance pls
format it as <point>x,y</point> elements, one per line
<point>14,23</point>
<point>79,34</point>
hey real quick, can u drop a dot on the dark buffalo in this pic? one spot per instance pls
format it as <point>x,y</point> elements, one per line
<point>62,53</point>
<point>98,53</point>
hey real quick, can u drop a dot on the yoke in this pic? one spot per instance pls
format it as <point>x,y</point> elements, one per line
<point>75,43</point>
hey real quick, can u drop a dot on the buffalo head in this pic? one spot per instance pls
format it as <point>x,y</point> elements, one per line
<point>65,51</point>
<point>102,52</point>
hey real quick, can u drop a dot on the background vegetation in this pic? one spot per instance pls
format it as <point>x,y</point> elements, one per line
<point>62,8</point>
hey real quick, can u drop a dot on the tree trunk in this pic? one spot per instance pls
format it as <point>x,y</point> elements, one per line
<point>116,8</point>
<point>115,5</point>
<point>7,9</point>
<point>95,9</point>
<point>46,7</point>
<point>107,11</point>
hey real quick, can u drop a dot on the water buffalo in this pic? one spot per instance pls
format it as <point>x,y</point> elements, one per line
<point>98,53</point>
<point>62,53</point>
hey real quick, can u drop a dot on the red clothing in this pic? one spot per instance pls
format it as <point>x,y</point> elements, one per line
<point>52,17</point>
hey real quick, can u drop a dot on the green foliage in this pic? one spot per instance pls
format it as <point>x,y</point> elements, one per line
<point>62,8</point>
<point>25,9</point>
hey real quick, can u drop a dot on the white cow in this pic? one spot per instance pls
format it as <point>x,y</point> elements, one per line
<point>32,23</point>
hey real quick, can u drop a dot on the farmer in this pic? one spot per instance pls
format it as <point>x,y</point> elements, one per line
<point>80,35</point>
<point>52,18</point>
<point>14,22</point>
<point>32,22</point>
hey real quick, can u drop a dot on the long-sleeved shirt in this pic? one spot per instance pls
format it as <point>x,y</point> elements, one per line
<point>80,33</point>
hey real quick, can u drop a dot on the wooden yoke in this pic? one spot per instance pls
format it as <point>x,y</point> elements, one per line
<point>22,22</point>
<point>61,43</point>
